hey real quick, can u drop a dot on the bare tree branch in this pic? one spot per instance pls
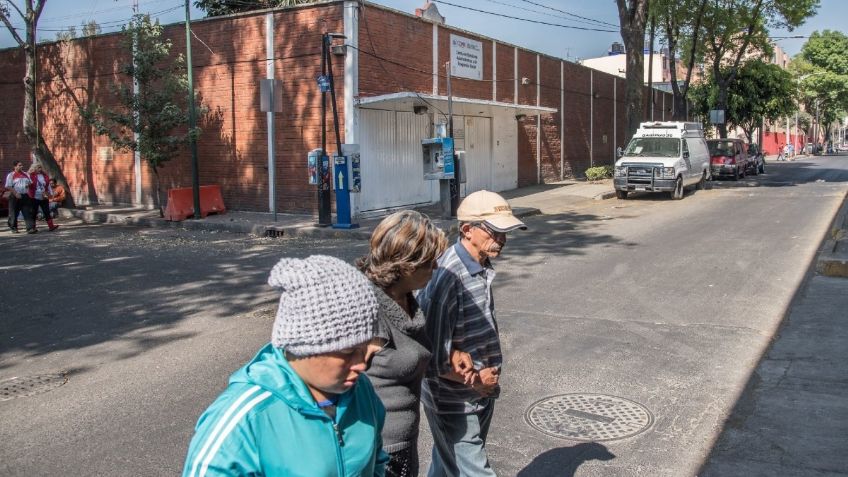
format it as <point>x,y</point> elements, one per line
<point>8,24</point>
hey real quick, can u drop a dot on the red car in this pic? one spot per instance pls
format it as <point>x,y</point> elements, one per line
<point>728,157</point>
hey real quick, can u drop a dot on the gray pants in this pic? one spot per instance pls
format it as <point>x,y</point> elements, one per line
<point>459,443</point>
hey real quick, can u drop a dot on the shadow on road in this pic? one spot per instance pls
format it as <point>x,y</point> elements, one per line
<point>564,461</point>
<point>89,285</point>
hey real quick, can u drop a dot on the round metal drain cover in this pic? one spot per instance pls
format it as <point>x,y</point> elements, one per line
<point>30,385</point>
<point>589,417</point>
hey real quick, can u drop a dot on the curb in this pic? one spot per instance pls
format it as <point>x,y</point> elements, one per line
<point>831,262</point>
<point>605,195</point>
<point>259,230</point>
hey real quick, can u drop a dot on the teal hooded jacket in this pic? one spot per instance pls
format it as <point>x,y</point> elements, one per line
<point>266,423</point>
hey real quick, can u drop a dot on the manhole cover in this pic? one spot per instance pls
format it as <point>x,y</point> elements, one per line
<point>30,385</point>
<point>589,417</point>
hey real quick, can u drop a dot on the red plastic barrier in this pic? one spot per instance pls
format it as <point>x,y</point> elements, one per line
<point>181,202</point>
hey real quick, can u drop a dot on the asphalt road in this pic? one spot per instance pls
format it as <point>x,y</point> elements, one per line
<point>666,304</point>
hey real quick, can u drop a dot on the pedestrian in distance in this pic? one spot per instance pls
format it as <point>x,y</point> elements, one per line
<point>303,405</point>
<point>780,153</point>
<point>40,192</point>
<point>57,198</point>
<point>16,187</point>
<point>459,307</point>
<point>402,257</point>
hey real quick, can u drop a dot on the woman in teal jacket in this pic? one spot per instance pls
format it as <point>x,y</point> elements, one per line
<point>302,406</point>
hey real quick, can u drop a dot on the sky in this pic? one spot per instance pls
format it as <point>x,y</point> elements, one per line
<point>568,43</point>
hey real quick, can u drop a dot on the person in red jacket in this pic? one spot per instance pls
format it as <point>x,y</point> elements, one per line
<point>40,192</point>
<point>17,186</point>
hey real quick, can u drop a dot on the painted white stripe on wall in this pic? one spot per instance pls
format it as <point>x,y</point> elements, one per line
<point>538,125</point>
<point>494,70</point>
<point>220,424</point>
<point>435,58</point>
<point>561,120</point>
<point>591,119</point>
<point>232,424</point>
<point>351,89</point>
<point>515,74</point>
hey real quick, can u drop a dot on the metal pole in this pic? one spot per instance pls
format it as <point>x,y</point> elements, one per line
<point>272,149</point>
<point>192,119</point>
<point>651,67</point>
<point>454,183</point>
<point>333,99</point>
<point>324,215</point>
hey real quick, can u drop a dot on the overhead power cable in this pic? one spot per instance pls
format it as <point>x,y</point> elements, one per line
<point>526,19</point>
<point>570,14</point>
<point>524,9</point>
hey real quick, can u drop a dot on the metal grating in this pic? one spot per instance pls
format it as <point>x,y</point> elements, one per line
<point>589,417</point>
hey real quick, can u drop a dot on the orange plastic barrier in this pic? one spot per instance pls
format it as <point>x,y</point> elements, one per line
<point>181,202</point>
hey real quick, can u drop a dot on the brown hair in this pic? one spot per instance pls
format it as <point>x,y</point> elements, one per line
<point>401,243</point>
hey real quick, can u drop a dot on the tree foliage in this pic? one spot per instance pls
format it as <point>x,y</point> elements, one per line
<point>214,8</point>
<point>822,73</point>
<point>734,28</point>
<point>158,113</point>
<point>759,91</point>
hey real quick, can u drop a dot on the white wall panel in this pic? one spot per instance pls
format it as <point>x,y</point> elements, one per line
<point>505,152</point>
<point>478,154</point>
<point>392,171</point>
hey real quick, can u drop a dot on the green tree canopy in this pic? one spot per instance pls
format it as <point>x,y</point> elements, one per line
<point>822,73</point>
<point>759,91</point>
<point>158,113</point>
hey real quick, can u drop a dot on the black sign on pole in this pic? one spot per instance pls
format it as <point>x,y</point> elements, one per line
<point>324,214</point>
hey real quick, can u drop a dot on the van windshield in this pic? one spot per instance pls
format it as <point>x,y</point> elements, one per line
<point>653,147</point>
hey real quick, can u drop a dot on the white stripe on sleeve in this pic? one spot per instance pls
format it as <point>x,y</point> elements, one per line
<point>247,407</point>
<point>219,425</point>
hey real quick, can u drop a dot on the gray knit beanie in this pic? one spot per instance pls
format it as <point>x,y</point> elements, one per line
<point>326,305</point>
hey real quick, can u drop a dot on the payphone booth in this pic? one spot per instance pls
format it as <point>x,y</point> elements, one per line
<point>442,163</point>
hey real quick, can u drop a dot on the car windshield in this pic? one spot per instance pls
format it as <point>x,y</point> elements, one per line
<point>721,148</point>
<point>653,147</point>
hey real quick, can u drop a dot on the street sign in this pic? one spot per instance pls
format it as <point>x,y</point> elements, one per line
<point>267,103</point>
<point>717,116</point>
<point>324,83</point>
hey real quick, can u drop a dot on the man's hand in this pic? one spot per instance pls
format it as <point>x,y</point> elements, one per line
<point>488,381</point>
<point>462,364</point>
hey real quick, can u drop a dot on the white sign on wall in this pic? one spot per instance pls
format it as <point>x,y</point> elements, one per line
<point>466,57</point>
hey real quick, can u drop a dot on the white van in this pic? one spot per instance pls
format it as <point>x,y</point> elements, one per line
<point>663,157</point>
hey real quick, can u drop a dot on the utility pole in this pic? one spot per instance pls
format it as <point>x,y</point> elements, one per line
<point>454,183</point>
<point>192,118</point>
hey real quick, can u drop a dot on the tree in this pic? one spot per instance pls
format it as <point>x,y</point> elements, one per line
<point>90,28</point>
<point>759,91</point>
<point>214,8</point>
<point>822,73</point>
<point>682,29</point>
<point>67,35</point>
<point>632,16</point>
<point>158,113</point>
<point>40,151</point>
<point>736,29</point>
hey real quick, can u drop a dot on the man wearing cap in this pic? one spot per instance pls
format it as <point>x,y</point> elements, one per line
<point>302,406</point>
<point>460,314</point>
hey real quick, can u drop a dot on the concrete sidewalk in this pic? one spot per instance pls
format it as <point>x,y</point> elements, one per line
<point>526,201</point>
<point>792,418</point>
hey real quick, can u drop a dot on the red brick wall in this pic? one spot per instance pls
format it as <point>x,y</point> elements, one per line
<point>232,151</point>
<point>576,120</point>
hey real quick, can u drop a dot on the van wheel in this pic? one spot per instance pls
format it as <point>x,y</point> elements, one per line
<point>763,167</point>
<point>677,193</point>
<point>702,184</point>
<point>621,194</point>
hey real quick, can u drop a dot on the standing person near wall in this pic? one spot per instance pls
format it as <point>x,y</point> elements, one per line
<point>302,406</point>
<point>781,152</point>
<point>404,249</point>
<point>40,192</point>
<point>17,186</point>
<point>460,311</point>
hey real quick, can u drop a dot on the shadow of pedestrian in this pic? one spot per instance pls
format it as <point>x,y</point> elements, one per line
<point>564,461</point>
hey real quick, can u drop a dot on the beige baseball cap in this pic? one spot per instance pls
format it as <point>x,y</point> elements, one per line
<point>491,208</point>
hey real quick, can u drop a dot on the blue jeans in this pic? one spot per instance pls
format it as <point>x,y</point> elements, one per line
<point>459,443</point>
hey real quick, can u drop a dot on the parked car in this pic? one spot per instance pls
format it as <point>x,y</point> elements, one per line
<point>756,159</point>
<point>728,158</point>
<point>663,157</point>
